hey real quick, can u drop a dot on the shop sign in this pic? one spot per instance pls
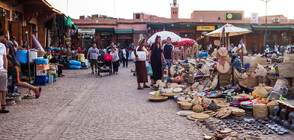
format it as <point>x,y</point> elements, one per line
<point>205,28</point>
<point>86,32</point>
<point>234,16</point>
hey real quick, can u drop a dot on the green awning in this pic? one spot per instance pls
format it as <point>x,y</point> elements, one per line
<point>159,25</point>
<point>292,27</point>
<point>128,31</point>
<point>74,27</point>
<point>273,27</point>
<point>104,29</point>
<point>68,21</point>
<point>240,26</point>
<point>180,25</point>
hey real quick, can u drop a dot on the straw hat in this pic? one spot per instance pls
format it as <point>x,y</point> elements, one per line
<point>259,71</point>
<point>178,90</point>
<point>223,66</point>
<point>222,51</point>
<point>184,99</point>
<point>214,82</point>
<point>216,42</point>
<point>226,58</point>
<point>157,98</point>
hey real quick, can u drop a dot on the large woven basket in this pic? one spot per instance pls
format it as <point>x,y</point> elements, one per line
<point>157,98</point>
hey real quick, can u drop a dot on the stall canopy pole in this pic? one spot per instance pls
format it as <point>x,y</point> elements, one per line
<point>28,56</point>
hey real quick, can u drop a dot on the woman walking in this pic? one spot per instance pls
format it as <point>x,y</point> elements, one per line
<point>140,65</point>
<point>115,59</point>
<point>155,58</point>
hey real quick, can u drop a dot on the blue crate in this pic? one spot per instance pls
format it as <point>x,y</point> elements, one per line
<point>41,80</point>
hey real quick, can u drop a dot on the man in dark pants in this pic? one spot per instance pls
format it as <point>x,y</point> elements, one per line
<point>125,56</point>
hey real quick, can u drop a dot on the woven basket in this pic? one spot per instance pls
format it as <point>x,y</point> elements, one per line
<point>186,106</point>
<point>197,108</point>
<point>222,105</point>
<point>200,116</point>
<point>157,98</point>
<point>271,105</point>
<point>288,57</point>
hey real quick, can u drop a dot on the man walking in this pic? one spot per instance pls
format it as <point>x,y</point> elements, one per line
<point>3,75</point>
<point>14,67</point>
<point>168,51</point>
<point>93,57</point>
<point>125,56</point>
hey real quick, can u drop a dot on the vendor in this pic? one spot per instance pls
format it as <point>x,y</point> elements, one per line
<point>236,62</point>
<point>48,54</point>
<point>59,63</point>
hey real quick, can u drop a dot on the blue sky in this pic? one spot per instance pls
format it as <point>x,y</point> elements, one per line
<point>126,8</point>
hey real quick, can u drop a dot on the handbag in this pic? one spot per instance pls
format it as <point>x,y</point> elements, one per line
<point>140,54</point>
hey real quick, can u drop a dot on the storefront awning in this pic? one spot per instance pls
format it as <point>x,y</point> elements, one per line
<point>240,26</point>
<point>75,27</point>
<point>273,27</point>
<point>128,31</point>
<point>180,25</point>
<point>292,27</point>
<point>68,21</point>
<point>158,25</point>
<point>104,29</point>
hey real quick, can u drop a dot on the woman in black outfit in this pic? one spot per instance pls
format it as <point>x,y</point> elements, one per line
<point>155,58</point>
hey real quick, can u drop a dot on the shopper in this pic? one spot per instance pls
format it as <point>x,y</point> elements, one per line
<point>241,49</point>
<point>168,51</point>
<point>115,59</point>
<point>140,65</point>
<point>108,49</point>
<point>59,63</point>
<point>125,56</point>
<point>14,67</point>
<point>155,58</point>
<point>3,76</point>
<point>92,55</point>
<point>48,54</point>
<point>236,62</point>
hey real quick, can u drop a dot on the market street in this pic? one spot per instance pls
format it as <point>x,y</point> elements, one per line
<point>84,106</point>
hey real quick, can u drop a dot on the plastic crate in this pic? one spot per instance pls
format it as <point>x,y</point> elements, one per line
<point>41,72</point>
<point>41,80</point>
<point>52,78</point>
<point>42,66</point>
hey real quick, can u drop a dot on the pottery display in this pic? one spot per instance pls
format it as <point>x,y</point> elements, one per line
<point>291,118</point>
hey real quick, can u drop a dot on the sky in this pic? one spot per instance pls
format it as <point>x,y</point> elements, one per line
<point>126,8</point>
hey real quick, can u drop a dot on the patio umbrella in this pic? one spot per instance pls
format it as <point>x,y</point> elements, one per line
<point>164,34</point>
<point>185,41</point>
<point>230,30</point>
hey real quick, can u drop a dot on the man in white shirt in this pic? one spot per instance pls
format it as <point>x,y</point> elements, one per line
<point>3,74</point>
<point>125,56</point>
<point>277,48</point>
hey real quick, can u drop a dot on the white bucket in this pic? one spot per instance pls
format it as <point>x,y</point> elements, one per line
<point>50,78</point>
<point>33,55</point>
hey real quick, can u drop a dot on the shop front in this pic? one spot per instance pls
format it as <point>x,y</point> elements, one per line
<point>86,37</point>
<point>205,42</point>
<point>124,38</point>
<point>104,36</point>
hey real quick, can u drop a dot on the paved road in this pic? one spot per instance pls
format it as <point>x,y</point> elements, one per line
<point>84,106</point>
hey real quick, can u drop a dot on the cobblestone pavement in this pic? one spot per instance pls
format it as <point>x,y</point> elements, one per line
<point>84,106</point>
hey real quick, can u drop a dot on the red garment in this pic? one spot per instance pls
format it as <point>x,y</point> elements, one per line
<point>80,51</point>
<point>107,57</point>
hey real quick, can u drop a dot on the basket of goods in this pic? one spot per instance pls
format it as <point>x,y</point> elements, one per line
<point>214,94</point>
<point>197,108</point>
<point>271,105</point>
<point>157,98</point>
<point>246,104</point>
<point>198,116</point>
<point>236,104</point>
<point>237,113</point>
<point>260,110</point>
<point>260,91</point>
<point>186,105</point>
<point>223,113</point>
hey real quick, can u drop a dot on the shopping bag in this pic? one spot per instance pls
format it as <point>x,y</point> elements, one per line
<point>149,70</point>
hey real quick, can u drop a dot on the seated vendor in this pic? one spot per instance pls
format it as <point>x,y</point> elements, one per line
<point>58,62</point>
<point>48,54</point>
<point>236,62</point>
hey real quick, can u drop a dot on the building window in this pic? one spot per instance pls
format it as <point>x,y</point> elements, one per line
<point>219,18</point>
<point>137,16</point>
<point>186,35</point>
<point>175,12</point>
<point>286,39</point>
<point>16,16</point>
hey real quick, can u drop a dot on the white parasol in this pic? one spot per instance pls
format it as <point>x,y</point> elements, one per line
<point>164,34</point>
<point>230,29</point>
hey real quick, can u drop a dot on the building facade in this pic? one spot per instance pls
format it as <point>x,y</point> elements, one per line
<point>128,31</point>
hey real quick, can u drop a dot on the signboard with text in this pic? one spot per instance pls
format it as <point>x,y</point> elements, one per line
<point>233,16</point>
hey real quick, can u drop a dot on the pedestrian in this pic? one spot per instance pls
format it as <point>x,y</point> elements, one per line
<point>241,49</point>
<point>59,63</point>
<point>92,55</point>
<point>155,58</point>
<point>13,41</point>
<point>14,67</point>
<point>125,56</point>
<point>140,65</point>
<point>115,59</point>
<point>276,47</point>
<point>80,51</point>
<point>108,49</point>
<point>3,76</point>
<point>168,51</point>
<point>236,62</point>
